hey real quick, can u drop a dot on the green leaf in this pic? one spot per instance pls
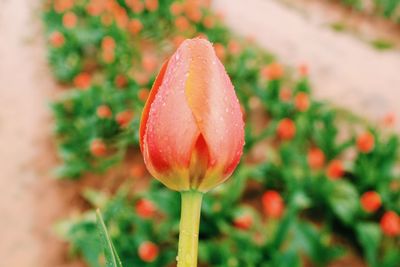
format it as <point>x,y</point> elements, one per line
<point>369,235</point>
<point>112,258</point>
<point>343,199</point>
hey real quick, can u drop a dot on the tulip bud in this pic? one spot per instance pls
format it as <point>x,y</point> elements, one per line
<point>302,102</point>
<point>243,222</point>
<point>335,169</point>
<point>286,129</point>
<point>316,158</point>
<point>145,208</point>
<point>370,201</point>
<point>98,148</point>
<point>148,251</point>
<point>273,204</point>
<point>390,224</point>
<point>365,142</point>
<point>192,130</point>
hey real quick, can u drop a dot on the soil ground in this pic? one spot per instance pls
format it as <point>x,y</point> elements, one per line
<point>344,69</point>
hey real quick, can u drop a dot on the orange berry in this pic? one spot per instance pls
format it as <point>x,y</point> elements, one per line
<point>370,201</point>
<point>273,71</point>
<point>286,129</point>
<point>82,80</point>
<point>302,101</point>
<point>365,142</point>
<point>57,39</point>
<point>98,148</point>
<point>135,26</point>
<point>69,20</point>
<point>273,204</point>
<point>104,112</point>
<point>145,208</point>
<point>243,222</point>
<point>390,224</point>
<point>316,158</point>
<point>148,251</point>
<point>123,118</point>
<point>335,169</point>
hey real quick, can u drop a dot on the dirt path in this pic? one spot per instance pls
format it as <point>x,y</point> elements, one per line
<point>344,69</point>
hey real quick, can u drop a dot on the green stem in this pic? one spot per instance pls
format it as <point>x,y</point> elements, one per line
<point>189,228</point>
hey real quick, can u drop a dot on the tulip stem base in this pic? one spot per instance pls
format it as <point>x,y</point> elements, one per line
<point>189,228</point>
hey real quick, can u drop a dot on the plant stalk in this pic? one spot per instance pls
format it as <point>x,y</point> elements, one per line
<point>189,228</point>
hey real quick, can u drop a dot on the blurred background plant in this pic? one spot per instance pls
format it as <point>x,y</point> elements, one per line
<point>315,184</point>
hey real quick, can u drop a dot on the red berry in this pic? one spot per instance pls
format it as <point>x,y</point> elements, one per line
<point>335,169</point>
<point>390,224</point>
<point>316,158</point>
<point>148,251</point>
<point>286,129</point>
<point>273,204</point>
<point>243,222</point>
<point>145,208</point>
<point>302,102</point>
<point>98,148</point>
<point>370,201</point>
<point>365,142</point>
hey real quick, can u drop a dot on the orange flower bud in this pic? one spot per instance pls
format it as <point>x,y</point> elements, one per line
<point>234,47</point>
<point>390,224</point>
<point>151,5</point>
<point>124,118</point>
<point>286,129</point>
<point>135,26</point>
<point>302,102</point>
<point>285,94</point>
<point>98,148</point>
<point>243,222</point>
<point>82,80</point>
<point>143,94</point>
<point>303,70</point>
<point>192,130</point>
<point>145,208</point>
<point>57,39</point>
<point>316,158</point>
<point>370,201</point>
<point>148,251</point>
<point>273,204</point>
<point>121,81</point>
<point>208,22</point>
<point>69,20</point>
<point>335,169</point>
<point>182,24</point>
<point>365,142</point>
<point>104,112</point>
<point>176,8</point>
<point>220,51</point>
<point>273,71</point>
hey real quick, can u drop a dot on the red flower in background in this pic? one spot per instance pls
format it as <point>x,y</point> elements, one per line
<point>192,130</point>
<point>302,101</point>
<point>316,158</point>
<point>123,118</point>
<point>234,47</point>
<point>104,112</point>
<point>285,94</point>
<point>145,208</point>
<point>370,201</point>
<point>83,80</point>
<point>57,39</point>
<point>303,70</point>
<point>182,24</point>
<point>365,142</point>
<point>390,224</point>
<point>286,129</point>
<point>176,8</point>
<point>135,26</point>
<point>137,6</point>
<point>143,94</point>
<point>273,71</point>
<point>220,51</point>
<point>69,20</point>
<point>335,169</point>
<point>151,5</point>
<point>243,222</point>
<point>389,120</point>
<point>148,251</point>
<point>273,204</point>
<point>98,148</point>
<point>209,22</point>
<point>61,6</point>
<point>121,81</point>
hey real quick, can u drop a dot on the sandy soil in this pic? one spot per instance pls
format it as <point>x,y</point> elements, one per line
<point>344,70</point>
